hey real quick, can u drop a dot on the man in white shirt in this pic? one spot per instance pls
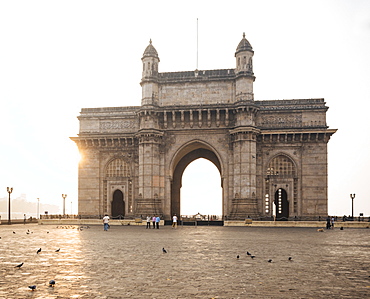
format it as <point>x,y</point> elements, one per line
<point>174,221</point>
<point>106,222</point>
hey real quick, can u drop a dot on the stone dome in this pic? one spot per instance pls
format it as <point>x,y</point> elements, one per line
<point>150,50</point>
<point>244,45</point>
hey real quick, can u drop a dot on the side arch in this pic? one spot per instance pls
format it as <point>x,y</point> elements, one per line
<point>281,186</point>
<point>117,182</point>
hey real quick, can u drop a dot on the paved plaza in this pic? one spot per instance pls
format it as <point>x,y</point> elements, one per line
<point>128,262</point>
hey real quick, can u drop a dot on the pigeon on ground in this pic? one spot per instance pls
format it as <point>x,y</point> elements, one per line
<point>237,256</point>
<point>57,250</point>
<point>248,253</point>
<point>52,283</point>
<point>13,232</point>
<point>38,251</point>
<point>32,287</point>
<point>270,260</point>
<point>18,266</point>
<point>290,258</point>
<point>164,250</point>
<point>253,256</point>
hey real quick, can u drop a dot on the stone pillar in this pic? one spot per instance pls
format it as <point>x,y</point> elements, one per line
<point>151,179</point>
<point>89,198</point>
<point>244,138</point>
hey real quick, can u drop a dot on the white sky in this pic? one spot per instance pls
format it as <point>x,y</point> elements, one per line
<point>57,57</point>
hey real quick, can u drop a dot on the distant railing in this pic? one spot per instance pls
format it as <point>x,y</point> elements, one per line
<point>59,216</point>
<point>313,218</point>
<point>199,217</point>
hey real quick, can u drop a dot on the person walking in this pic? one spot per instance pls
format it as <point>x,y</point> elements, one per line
<point>174,221</point>
<point>153,221</point>
<point>148,220</point>
<point>332,222</point>
<point>328,222</point>
<point>106,222</point>
<point>157,219</point>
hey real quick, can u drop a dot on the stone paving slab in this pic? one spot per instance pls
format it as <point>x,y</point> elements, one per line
<point>127,262</point>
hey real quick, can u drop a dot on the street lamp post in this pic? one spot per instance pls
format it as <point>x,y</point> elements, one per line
<point>38,208</point>
<point>352,197</point>
<point>10,190</point>
<point>64,203</point>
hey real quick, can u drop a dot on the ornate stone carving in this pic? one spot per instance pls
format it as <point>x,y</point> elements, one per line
<point>288,120</point>
<point>116,125</point>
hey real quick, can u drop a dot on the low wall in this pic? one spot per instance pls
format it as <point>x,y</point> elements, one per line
<point>64,221</point>
<point>248,222</point>
<point>318,224</point>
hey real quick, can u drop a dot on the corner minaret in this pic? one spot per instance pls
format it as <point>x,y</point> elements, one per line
<point>149,79</point>
<point>244,71</point>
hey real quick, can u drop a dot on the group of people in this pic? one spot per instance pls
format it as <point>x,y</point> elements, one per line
<point>154,220</point>
<point>329,222</point>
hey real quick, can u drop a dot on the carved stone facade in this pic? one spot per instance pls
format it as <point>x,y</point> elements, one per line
<point>271,155</point>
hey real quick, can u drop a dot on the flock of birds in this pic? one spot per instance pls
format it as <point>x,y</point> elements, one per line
<point>238,256</point>
<point>253,256</point>
<point>52,281</point>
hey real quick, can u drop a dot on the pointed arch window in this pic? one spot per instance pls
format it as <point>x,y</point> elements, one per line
<point>118,168</point>
<point>281,165</point>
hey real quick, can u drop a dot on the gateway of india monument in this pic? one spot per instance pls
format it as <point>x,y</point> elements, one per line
<point>271,154</point>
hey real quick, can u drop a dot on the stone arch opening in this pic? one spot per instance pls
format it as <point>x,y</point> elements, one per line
<point>281,187</point>
<point>118,204</point>
<point>183,159</point>
<point>201,191</point>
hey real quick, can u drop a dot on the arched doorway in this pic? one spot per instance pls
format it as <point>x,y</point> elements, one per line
<point>281,204</point>
<point>118,204</point>
<point>182,163</point>
<point>201,190</point>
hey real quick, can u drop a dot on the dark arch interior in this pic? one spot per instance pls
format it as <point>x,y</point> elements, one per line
<point>179,170</point>
<point>118,205</point>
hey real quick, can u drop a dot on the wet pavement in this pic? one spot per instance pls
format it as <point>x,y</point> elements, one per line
<point>128,262</point>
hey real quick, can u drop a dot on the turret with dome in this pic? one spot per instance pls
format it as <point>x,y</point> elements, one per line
<point>149,79</point>
<point>244,70</point>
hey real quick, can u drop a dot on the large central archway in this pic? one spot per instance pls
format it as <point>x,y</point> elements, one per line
<point>183,159</point>
<point>201,191</point>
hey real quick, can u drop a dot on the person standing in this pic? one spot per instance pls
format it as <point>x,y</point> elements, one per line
<point>148,219</point>
<point>332,222</point>
<point>328,222</point>
<point>174,221</point>
<point>106,222</point>
<point>157,219</point>
<point>153,221</point>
